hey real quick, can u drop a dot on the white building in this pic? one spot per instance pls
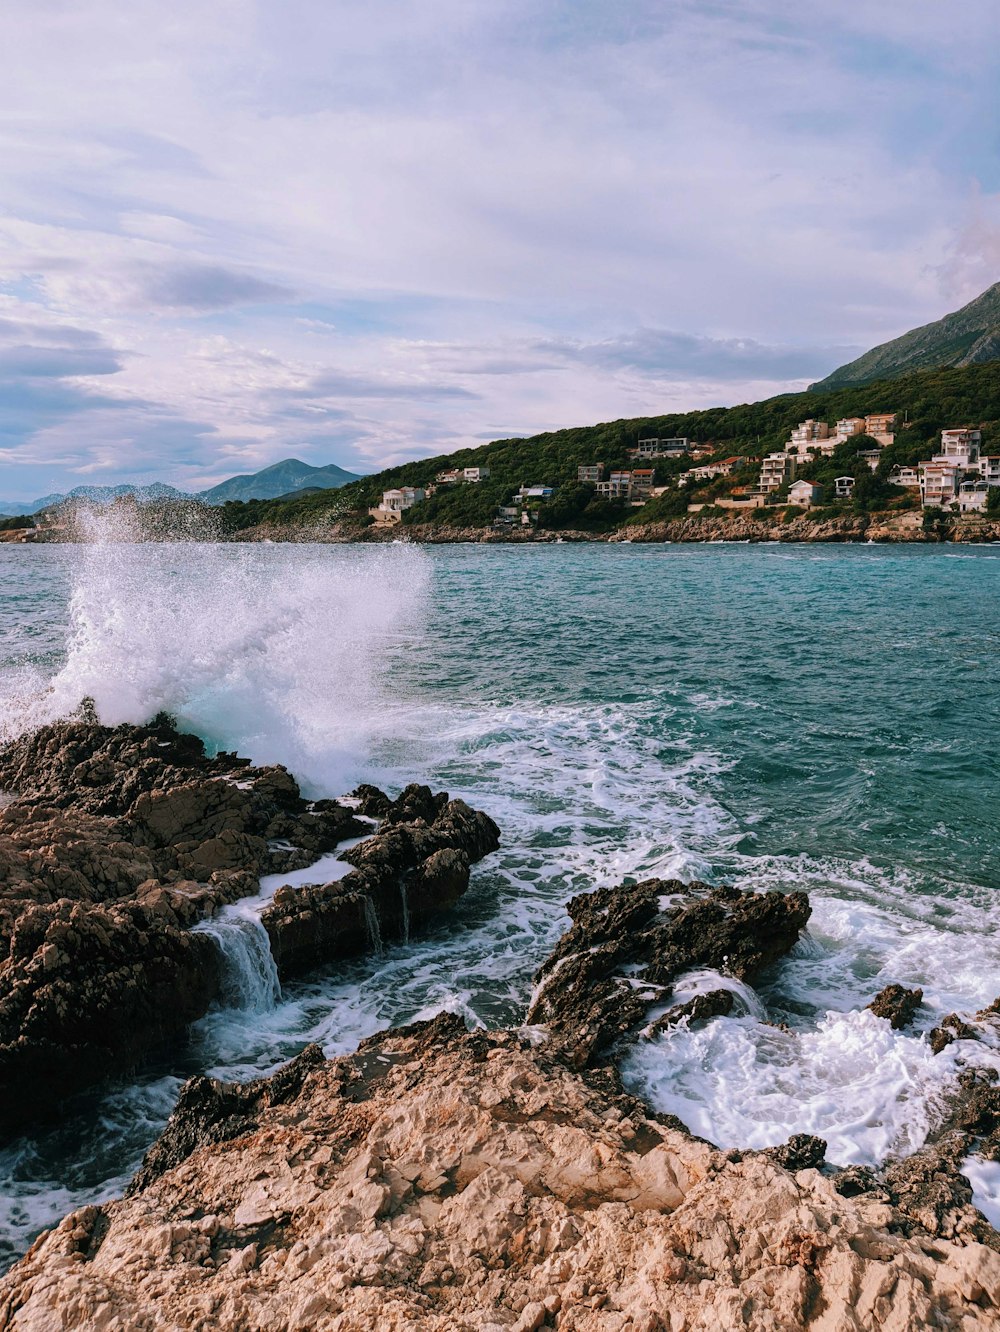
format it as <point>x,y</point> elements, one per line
<point>939,481</point>
<point>989,468</point>
<point>972,496</point>
<point>775,470</point>
<point>804,493</point>
<point>395,502</point>
<point>907,477</point>
<point>844,487</point>
<point>961,447</point>
<point>475,473</point>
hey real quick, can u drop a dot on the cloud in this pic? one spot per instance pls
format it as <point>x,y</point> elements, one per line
<point>199,287</point>
<point>661,353</point>
<point>365,232</point>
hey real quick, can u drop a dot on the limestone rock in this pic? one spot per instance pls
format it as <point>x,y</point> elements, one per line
<point>438,1181</point>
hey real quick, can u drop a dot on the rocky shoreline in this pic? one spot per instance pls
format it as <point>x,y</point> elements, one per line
<point>114,843</point>
<point>437,1178</point>
<point>881,528</point>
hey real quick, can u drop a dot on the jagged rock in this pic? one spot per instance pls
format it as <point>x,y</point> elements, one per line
<point>438,1181</point>
<point>654,930</point>
<point>210,1111</point>
<point>85,991</point>
<point>951,1028</point>
<point>897,1005</point>
<point>118,840</point>
<point>703,1007</point>
<point>403,874</point>
<point>802,1151</point>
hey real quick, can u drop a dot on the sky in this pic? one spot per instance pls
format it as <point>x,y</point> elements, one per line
<point>362,231</point>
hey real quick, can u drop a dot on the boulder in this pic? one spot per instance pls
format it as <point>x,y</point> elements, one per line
<point>627,945</point>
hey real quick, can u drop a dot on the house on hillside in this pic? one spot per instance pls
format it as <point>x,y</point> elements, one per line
<point>659,448</point>
<point>804,493</point>
<point>475,474</point>
<point>396,502</point>
<point>449,478</point>
<point>972,496</point>
<point>642,484</point>
<point>908,477</point>
<point>848,426</point>
<point>843,487</point>
<point>591,472</point>
<point>775,470</point>
<point>939,481</point>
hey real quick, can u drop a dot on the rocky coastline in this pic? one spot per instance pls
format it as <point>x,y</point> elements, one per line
<point>880,528</point>
<point>436,1178</point>
<point>114,843</point>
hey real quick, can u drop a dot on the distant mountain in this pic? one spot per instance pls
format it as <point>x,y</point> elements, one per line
<point>95,495</point>
<point>283,480</point>
<point>970,336</point>
<point>279,480</point>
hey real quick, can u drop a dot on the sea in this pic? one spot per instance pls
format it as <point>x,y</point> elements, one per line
<point>773,716</point>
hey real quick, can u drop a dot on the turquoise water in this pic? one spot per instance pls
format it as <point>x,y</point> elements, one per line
<point>815,717</point>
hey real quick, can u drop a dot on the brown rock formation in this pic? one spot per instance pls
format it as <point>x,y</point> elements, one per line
<point>118,840</point>
<point>438,1181</point>
<point>656,930</point>
<point>897,1005</point>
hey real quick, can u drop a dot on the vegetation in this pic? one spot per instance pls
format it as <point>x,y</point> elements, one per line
<point>926,402</point>
<point>16,524</point>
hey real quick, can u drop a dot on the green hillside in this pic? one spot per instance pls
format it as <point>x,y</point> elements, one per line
<point>970,336</point>
<point>929,401</point>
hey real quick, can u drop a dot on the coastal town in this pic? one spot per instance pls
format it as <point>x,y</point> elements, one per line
<point>957,479</point>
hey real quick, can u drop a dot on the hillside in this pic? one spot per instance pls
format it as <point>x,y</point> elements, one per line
<point>970,336</point>
<point>928,401</point>
<point>280,479</point>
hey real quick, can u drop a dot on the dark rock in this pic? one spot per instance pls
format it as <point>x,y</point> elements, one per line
<point>210,1111</point>
<point>703,1007</point>
<point>951,1028</point>
<point>653,931</point>
<point>403,875</point>
<point>897,1005</point>
<point>118,840</point>
<point>85,992</point>
<point>802,1151</point>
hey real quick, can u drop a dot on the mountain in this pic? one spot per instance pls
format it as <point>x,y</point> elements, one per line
<point>970,336</point>
<point>94,495</point>
<point>281,479</point>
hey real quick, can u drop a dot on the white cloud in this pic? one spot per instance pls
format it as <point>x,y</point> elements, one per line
<point>364,232</point>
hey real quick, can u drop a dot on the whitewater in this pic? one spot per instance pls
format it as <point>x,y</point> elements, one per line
<point>793,717</point>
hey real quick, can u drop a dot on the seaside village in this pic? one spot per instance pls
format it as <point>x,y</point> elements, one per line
<point>957,479</point>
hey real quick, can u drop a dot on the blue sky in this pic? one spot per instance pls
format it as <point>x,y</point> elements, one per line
<point>362,232</point>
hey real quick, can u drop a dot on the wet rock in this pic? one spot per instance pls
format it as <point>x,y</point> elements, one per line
<point>439,1180</point>
<point>951,1028</point>
<point>627,945</point>
<point>118,840</point>
<point>897,1005</point>
<point>802,1151</point>
<point>703,1007</point>
<point>403,875</point>
<point>86,991</point>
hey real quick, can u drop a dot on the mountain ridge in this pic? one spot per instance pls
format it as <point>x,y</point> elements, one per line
<point>969,336</point>
<point>280,480</point>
